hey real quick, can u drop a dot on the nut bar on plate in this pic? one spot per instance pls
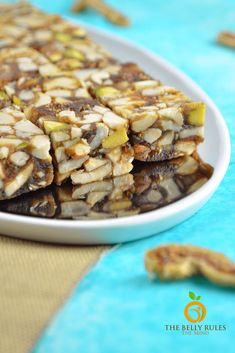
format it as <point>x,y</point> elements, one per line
<point>89,141</point>
<point>164,123</point>
<point>27,75</point>
<point>144,189</point>
<point>25,162</point>
<point>63,43</point>
<point>147,188</point>
<point>40,203</point>
<point>162,183</point>
<point>70,49</point>
<point>98,200</point>
<point>23,24</point>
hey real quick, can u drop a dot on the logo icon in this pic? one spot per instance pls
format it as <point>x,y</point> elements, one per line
<point>195,311</point>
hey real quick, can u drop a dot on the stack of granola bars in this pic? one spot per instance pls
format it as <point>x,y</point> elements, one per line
<point>70,111</point>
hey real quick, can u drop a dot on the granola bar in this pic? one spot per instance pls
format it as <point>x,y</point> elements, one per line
<point>20,24</point>
<point>89,141</point>
<point>29,79</point>
<point>175,262</point>
<point>56,102</point>
<point>25,162</point>
<point>164,123</point>
<point>63,43</point>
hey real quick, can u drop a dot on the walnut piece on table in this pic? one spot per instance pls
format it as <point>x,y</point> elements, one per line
<point>175,262</point>
<point>104,9</point>
<point>227,39</point>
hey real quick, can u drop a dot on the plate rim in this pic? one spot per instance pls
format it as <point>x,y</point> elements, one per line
<point>203,193</point>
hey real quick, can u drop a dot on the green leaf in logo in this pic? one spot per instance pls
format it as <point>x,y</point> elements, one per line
<point>192,295</point>
<point>198,297</point>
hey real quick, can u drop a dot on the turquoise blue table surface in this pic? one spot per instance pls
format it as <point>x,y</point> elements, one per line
<point>116,308</point>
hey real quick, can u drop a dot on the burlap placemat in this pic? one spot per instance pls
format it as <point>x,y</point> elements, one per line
<point>35,280</point>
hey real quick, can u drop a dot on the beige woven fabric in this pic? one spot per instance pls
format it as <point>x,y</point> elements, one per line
<point>35,280</point>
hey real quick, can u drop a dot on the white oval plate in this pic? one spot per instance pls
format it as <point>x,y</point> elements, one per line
<point>215,150</point>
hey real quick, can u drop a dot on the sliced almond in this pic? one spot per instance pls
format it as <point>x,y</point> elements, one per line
<point>101,133</point>
<point>7,130</point>
<point>91,118</point>
<point>172,189</point>
<point>67,116</point>
<point>95,175</point>
<point>191,132</point>
<point>96,196</point>
<point>115,154</point>
<point>154,196</point>
<point>81,93</point>
<point>41,148</point>
<point>60,154</point>
<point>42,99</point>
<point>6,119</point>
<point>9,141</point>
<point>59,93</point>
<point>145,84</point>
<point>76,132</point>
<point>48,70</point>
<point>59,136</point>
<point>19,158</point>
<point>122,168</point>
<point>70,165</point>
<point>144,122</point>
<point>20,179</point>
<point>114,121</point>
<point>27,66</point>
<point>4,152</point>
<point>25,126</point>
<point>73,209</point>
<point>166,139</point>
<point>26,95</point>
<point>78,150</point>
<point>151,135</point>
<point>185,147</point>
<point>118,205</point>
<point>81,191</point>
<point>197,185</point>
<point>158,91</point>
<point>100,109</point>
<point>93,163</point>
<point>189,166</point>
<point>61,82</point>
<point>173,114</point>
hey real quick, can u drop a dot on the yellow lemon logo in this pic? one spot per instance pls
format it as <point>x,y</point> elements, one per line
<point>195,311</point>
